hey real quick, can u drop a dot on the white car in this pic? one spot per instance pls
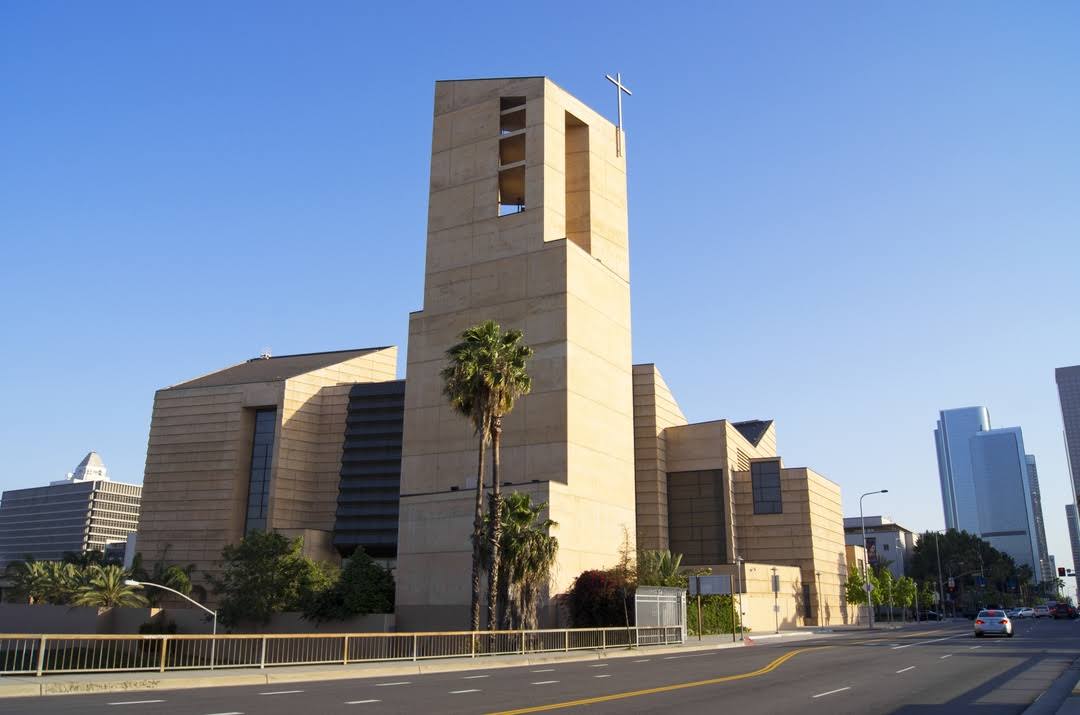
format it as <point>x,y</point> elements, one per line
<point>993,621</point>
<point>1025,612</point>
<point>1041,612</point>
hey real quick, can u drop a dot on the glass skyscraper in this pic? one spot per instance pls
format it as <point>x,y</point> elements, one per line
<point>986,485</point>
<point>1068,382</point>
<point>955,428</point>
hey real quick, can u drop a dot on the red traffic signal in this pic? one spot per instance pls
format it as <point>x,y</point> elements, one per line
<point>1061,571</point>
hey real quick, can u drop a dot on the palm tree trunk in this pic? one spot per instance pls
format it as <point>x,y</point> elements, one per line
<point>495,517</point>
<point>478,538</point>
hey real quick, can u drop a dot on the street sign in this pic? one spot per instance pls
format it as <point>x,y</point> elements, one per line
<point>775,583</point>
<point>869,587</point>
<point>719,584</point>
<point>980,581</point>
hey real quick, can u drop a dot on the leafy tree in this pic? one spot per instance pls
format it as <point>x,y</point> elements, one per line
<point>882,579</point>
<point>904,591</point>
<point>173,576</point>
<point>105,588</point>
<point>928,595</point>
<point>485,376</point>
<point>528,554</point>
<point>660,568</point>
<point>363,587</point>
<point>599,599</point>
<point>964,558</point>
<point>265,574</point>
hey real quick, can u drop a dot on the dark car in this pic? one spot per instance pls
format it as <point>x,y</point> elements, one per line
<point>932,616</point>
<point>1063,610</point>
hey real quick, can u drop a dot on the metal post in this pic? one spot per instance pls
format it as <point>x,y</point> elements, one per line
<point>738,580</point>
<point>940,581</point>
<point>414,647</point>
<point>164,647</point>
<point>345,652</point>
<point>603,639</point>
<point>567,634</point>
<point>866,557</point>
<point>213,643</point>
<point>262,655</point>
<point>41,655</point>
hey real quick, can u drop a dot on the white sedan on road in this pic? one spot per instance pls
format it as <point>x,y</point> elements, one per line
<point>993,621</point>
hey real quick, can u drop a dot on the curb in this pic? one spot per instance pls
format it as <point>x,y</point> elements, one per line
<point>1059,697</point>
<point>31,687</point>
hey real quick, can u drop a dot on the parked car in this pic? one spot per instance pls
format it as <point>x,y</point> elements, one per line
<point>1025,612</point>
<point>993,621</point>
<point>1042,612</point>
<point>1063,610</point>
<point>931,616</point>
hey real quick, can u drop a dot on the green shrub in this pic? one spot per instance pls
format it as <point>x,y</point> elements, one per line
<point>363,587</point>
<point>600,599</point>
<point>716,613</point>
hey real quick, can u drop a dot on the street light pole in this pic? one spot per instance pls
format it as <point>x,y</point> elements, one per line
<point>866,556</point>
<point>213,641</point>
<point>940,580</point>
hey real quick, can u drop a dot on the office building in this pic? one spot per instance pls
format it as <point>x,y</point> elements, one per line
<point>82,513</point>
<point>1046,567</point>
<point>1068,383</point>
<point>1074,541</point>
<point>986,485</point>
<point>886,541</point>
<point>955,428</point>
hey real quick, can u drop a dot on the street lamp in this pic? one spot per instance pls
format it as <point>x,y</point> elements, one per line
<point>866,556</point>
<point>144,584</point>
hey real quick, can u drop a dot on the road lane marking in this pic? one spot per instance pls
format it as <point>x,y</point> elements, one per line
<point>664,688</point>
<point>282,692</point>
<point>832,692</point>
<point>542,670</point>
<point>396,682</point>
<point>974,647</point>
<point>545,682</point>
<point>947,655</point>
<point>601,665</point>
<point>474,677</point>
<point>935,640</point>
<point>460,692</point>
<point>904,670</point>
<point>136,702</point>
<point>361,702</point>
<point>643,660</point>
<point>603,675</point>
<point>232,713</point>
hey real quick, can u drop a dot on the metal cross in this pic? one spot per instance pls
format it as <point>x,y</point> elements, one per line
<point>617,81</point>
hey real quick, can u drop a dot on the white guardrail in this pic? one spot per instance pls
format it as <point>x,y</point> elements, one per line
<point>25,654</point>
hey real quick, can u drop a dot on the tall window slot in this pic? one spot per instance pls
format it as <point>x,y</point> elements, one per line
<point>511,155</point>
<point>262,451</point>
<point>765,480</point>
<point>578,229</point>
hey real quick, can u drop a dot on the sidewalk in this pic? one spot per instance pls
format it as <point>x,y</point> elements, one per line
<point>83,683</point>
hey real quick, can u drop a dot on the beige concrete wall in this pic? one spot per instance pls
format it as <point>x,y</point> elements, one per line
<point>655,409</point>
<point>573,305</point>
<point>198,461</point>
<point>808,534</point>
<point>756,599</point>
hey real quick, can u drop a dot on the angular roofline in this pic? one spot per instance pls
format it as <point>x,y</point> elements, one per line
<point>180,385</point>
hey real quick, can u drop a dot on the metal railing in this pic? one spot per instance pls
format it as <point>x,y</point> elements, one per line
<point>22,654</point>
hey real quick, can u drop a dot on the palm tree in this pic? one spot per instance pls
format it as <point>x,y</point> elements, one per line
<point>660,568</point>
<point>484,378</point>
<point>464,387</point>
<point>174,576</point>
<point>528,553</point>
<point>106,587</point>
<point>507,379</point>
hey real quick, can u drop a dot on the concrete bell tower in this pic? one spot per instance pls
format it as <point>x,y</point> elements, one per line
<point>527,226</point>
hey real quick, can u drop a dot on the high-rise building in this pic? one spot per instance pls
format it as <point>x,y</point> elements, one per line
<point>1045,561</point>
<point>955,428</point>
<point>84,512</point>
<point>985,484</point>
<point>1074,540</point>
<point>1068,382</point>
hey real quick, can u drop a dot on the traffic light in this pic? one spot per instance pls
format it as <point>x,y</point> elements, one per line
<point>1061,571</point>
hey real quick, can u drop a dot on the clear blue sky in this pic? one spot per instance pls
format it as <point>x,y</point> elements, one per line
<point>844,216</point>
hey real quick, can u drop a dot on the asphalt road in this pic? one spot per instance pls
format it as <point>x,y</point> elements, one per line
<point>928,669</point>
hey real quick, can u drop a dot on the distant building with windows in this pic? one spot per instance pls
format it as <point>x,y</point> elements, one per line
<point>886,541</point>
<point>84,512</point>
<point>987,487</point>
